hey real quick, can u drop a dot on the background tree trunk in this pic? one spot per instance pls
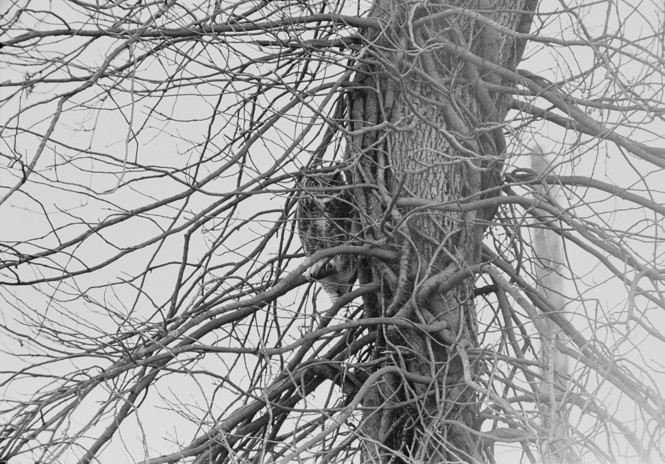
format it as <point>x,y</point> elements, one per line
<point>550,269</point>
<point>426,130</point>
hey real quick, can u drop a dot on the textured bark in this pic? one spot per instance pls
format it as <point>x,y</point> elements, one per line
<point>426,124</point>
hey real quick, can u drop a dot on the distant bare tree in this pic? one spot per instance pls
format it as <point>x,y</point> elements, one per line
<point>157,304</point>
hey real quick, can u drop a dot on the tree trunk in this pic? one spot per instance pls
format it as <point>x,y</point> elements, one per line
<point>549,272</point>
<point>426,129</point>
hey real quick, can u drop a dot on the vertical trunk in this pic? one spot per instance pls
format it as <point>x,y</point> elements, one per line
<point>426,127</point>
<point>549,258</point>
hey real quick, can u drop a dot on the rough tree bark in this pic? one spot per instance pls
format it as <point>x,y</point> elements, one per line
<point>426,129</point>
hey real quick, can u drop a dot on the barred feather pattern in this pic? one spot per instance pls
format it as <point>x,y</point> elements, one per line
<point>325,219</point>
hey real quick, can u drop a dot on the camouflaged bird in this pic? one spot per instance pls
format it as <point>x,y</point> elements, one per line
<point>325,217</point>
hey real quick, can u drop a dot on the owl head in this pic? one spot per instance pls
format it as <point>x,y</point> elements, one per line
<point>325,195</point>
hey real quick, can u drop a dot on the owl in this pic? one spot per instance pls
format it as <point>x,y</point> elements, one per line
<point>325,218</point>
